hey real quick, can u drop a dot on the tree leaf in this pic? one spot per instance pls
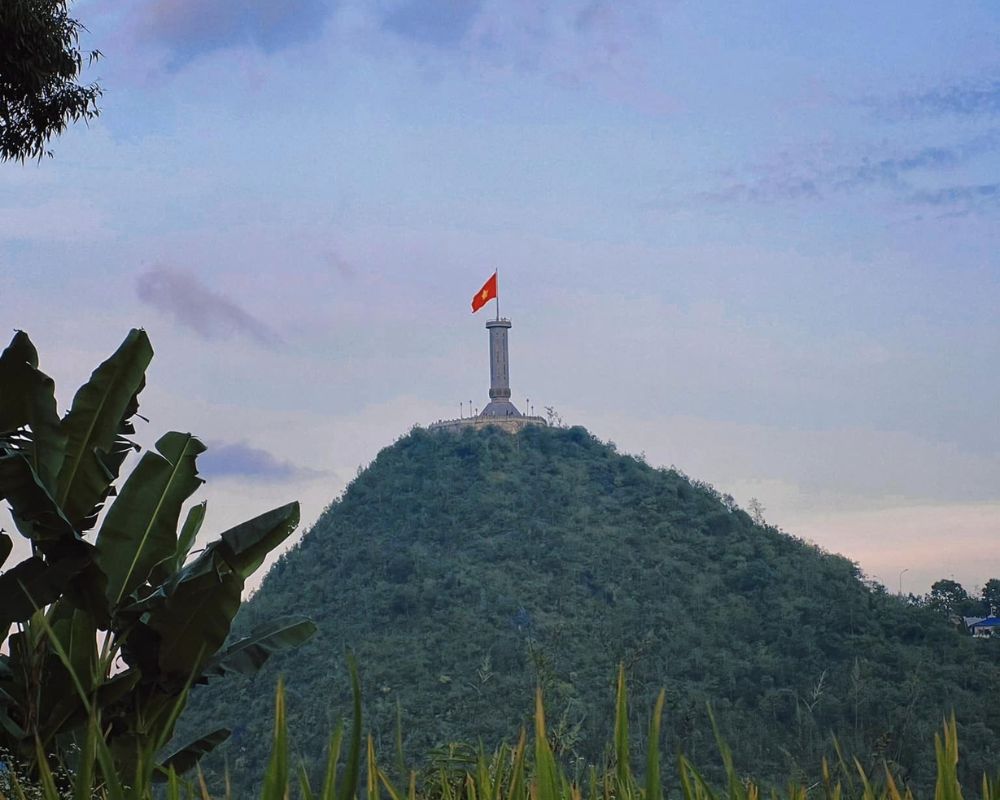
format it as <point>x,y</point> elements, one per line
<point>27,398</point>
<point>249,654</point>
<point>194,619</point>
<point>19,353</point>
<point>61,707</point>
<point>95,427</point>
<point>140,528</point>
<point>250,542</point>
<point>184,758</point>
<point>200,601</point>
<point>192,524</point>
<point>6,545</point>
<point>36,514</point>
<point>32,585</point>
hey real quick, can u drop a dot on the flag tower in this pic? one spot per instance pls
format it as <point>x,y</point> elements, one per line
<point>500,411</point>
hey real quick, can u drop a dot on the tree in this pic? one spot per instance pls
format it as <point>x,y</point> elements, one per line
<point>991,596</point>
<point>756,509</point>
<point>114,631</point>
<point>949,596</point>
<point>40,64</point>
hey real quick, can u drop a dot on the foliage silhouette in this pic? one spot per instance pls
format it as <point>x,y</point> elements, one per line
<point>40,64</point>
<point>114,632</point>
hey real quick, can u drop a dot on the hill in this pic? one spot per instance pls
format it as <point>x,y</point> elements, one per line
<point>463,569</point>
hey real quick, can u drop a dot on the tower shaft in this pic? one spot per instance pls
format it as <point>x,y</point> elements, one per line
<point>499,361</point>
<point>499,405</point>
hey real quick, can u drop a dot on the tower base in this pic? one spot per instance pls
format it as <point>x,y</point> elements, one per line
<point>509,424</point>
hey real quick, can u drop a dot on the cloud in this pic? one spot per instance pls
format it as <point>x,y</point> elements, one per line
<point>969,196</point>
<point>764,189</point>
<point>818,177</point>
<point>240,460</point>
<point>891,170</point>
<point>966,99</point>
<point>190,28</point>
<point>443,23</point>
<point>600,45</point>
<point>209,314</point>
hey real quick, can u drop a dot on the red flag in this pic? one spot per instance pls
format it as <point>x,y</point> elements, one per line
<point>484,295</point>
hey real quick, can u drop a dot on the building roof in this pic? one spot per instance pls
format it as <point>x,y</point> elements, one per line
<point>989,622</point>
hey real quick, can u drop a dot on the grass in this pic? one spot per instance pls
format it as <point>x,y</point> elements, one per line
<point>510,773</point>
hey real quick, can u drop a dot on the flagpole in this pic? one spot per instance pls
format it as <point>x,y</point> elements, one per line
<point>498,294</point>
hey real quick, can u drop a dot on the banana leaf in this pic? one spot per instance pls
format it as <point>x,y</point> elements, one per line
<point>249,654</point>
<point>140,530</point>
<point>194,619</point>
<point>27,398</point>
<point>250,542</point>
<point>36,514</point>
<point>185,541</point>
<point>184,758</point>
<point>32,585</point>
<point>95,427</point>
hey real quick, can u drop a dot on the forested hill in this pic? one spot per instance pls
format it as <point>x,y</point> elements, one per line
<point>462,569</point>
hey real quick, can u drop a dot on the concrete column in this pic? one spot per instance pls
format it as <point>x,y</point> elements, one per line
<point>499,406</point>
<point>499,363</point>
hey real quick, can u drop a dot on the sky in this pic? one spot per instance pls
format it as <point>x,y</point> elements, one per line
<point>757,241</point>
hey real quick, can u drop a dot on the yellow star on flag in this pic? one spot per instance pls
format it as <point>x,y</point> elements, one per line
<point>484,295</point>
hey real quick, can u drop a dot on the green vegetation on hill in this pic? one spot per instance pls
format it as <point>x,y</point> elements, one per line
<point>464,569</point>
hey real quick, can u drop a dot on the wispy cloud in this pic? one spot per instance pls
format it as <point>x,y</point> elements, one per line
<point>959,200</point>
<point>190,28</point>
<point>438,22</point>
<point>208,313</point>
<point>598,44</point>
<point>788,179</point>
<point>892,170</point>
<point>964,99</point>
<point>240,460</point>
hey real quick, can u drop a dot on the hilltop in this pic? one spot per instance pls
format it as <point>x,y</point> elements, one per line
<point>465,568</point>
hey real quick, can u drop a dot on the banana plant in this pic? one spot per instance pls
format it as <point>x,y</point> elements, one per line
<point>116,624</point>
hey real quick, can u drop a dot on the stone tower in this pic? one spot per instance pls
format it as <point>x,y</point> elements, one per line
<point>499,405</point>
<point>499,412</point>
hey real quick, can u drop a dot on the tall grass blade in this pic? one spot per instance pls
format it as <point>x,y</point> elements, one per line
<point>173,785</point>
<point>516,790</point>
<point>868,793</point>
<point>113,787</point>
<point>305,790</point>
<point>484,781</point>
<point>49,790</point>
<point>83,783</point>
<point>623,772</point>
<point>332,761</point>
<point>733,783</point>
<point>946,752</point>
<point>891,789</point>
<point>401,770</point>
<point>372,785</point>
<point>202,786</point>
<point>546,776</point>
<point>350,784</point>
<point>392,790</point>
<point>654,788</point>
<point>275,786</point>
<point>16,784</point>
